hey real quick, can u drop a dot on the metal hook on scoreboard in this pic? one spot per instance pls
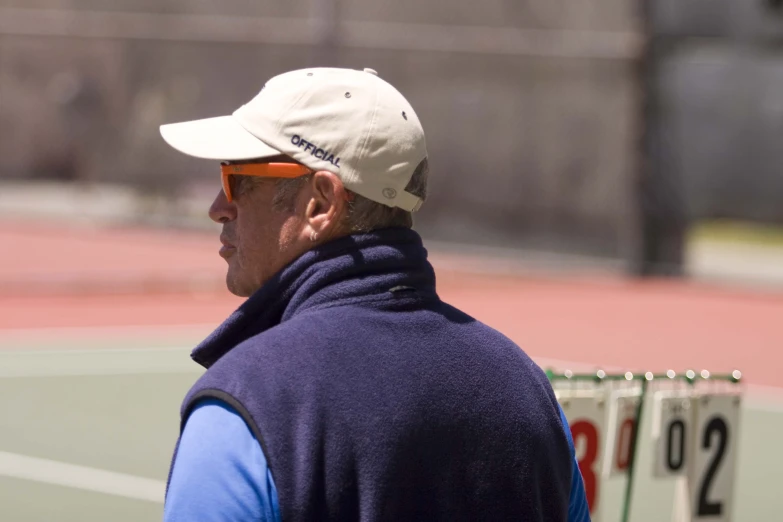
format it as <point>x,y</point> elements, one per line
<point>737,385</point>
<point>570,384</point>
<point>674,382</point>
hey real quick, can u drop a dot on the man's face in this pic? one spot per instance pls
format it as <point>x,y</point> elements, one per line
<point>258,240</point>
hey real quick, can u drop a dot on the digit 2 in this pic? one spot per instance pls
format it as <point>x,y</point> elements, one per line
<point>715,425</point>
<point>590,433</point>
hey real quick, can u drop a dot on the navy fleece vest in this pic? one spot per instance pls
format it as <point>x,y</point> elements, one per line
<point>374,400</point>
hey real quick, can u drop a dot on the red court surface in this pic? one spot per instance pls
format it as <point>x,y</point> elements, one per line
<point>62,277</point>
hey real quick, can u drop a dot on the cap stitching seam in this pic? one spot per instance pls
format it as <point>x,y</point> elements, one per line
<point>367,135</point>
<point>256,137</point>
<point>291,106</point>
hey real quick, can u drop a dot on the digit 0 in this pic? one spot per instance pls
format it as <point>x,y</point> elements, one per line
<point>674,461</point>
<point>624,438</point>
<point>587,431</point>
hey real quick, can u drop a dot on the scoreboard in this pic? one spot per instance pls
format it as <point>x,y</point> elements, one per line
<point>585,411</point>
<point>694,429</point>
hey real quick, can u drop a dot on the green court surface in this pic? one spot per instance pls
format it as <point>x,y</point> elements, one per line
<point>108,410</point>
<point>87,435</point>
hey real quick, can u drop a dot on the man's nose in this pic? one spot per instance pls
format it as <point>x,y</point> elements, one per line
<point>221,211</point>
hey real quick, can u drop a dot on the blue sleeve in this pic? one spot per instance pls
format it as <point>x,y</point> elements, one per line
<point>578,510</point>
<point>220,471</point>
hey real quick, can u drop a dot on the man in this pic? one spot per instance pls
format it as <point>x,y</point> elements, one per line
<point>344,388</point>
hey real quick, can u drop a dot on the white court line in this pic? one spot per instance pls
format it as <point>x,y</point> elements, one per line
<point>764,398</point>
<point>175,359</point>
<point>97,362</point>
<point>78,333</point>
<point>81,477</point>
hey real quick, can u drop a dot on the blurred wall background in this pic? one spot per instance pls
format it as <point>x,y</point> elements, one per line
<point>590,127</point>
<point>721,91</point>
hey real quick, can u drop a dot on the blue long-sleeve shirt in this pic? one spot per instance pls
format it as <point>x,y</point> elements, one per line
<point>221,472</point>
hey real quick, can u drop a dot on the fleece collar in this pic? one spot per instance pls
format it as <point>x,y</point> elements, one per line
<point>344,270</point>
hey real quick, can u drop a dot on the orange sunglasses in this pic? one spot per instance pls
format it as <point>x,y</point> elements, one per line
<point>264,170</point>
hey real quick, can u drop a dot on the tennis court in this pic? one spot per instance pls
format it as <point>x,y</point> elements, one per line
<point>94,344</point>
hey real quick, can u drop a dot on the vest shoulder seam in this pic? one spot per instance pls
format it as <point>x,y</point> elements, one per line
<point>213,393</point>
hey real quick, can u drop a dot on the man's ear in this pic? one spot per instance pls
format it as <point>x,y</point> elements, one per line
<point>327,206</point>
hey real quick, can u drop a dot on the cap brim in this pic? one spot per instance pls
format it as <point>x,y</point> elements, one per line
<point>221,138</point>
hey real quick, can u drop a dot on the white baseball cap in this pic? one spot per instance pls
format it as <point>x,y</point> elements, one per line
<point>348,122</point>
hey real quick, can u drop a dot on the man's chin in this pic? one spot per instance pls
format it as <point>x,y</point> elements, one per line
<point>238,291</point>
<point>238,285</point>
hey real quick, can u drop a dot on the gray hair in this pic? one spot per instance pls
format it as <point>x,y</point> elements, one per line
<point>364,214</point>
